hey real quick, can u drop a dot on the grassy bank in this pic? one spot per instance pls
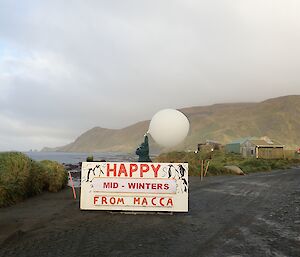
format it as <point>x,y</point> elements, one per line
<point>219,159</point>
<point>21,177</point>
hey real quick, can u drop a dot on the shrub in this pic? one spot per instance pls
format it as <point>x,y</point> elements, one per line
<point>254,165</point>
<point>35,181</point>
<point>14,176</point>
<point>21,177</point>
<point>90,158</point>
<point>216,169</point>
<point>55,176</point>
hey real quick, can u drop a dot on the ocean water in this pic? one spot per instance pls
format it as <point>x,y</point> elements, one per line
<point>75,158</point>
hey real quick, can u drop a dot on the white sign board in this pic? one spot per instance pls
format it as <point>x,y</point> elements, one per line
<point>134,186</point>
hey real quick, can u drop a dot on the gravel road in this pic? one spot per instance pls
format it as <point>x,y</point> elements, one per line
<point>253,215</point>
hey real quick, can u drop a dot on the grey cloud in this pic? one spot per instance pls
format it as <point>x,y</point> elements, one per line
<point>66,66</point>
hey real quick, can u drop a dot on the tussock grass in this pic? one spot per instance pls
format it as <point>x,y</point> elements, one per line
<point>21,177</point>
<point>55,176</point>
<point>90,158</point>
<point>219,159</point>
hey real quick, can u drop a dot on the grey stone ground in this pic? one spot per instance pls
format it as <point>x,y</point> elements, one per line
<point>253,215</point>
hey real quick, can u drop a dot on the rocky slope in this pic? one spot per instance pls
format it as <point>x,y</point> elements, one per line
<point>277,118</point>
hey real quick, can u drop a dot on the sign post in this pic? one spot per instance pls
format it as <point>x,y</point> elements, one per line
<point>72,184</point>
<point>134,186</point>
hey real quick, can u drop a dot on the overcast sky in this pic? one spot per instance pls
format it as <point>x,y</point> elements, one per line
<point>67,66</point>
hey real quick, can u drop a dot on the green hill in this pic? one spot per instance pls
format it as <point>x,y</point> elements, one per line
<point>277,118</point>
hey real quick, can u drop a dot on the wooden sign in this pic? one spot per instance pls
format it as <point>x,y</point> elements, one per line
<point>134,186</point>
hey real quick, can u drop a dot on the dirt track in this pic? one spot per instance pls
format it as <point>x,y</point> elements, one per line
<point>254,215</point>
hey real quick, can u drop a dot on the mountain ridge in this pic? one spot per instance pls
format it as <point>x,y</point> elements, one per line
<point>277,118</point>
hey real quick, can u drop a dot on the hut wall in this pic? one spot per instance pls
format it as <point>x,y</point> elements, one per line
<point>270,153</point>
<point>233,148</point>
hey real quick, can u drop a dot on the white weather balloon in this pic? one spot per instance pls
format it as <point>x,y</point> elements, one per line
<point>169,127</point>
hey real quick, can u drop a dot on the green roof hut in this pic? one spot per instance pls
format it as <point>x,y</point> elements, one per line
<point>235,146</point>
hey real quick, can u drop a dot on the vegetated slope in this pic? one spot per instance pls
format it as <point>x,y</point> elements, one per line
<point>277,118</point>
<point>102,139</point>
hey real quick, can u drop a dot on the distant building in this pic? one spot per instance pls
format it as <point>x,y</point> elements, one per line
<point>209,145</point>
<point>235,146</point>
<point>262,149</point>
